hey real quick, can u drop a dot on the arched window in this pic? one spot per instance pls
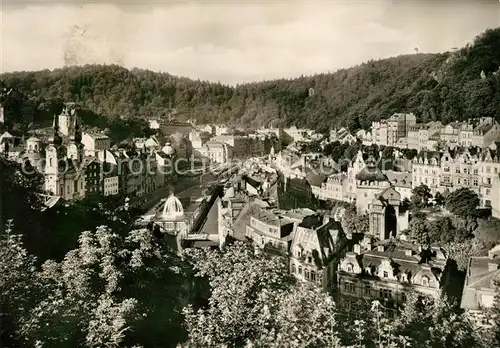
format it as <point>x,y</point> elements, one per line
<point>300,269</point>
<point>294,269</point>
<point>425,281</point>
<point>50,162</point>
<point>349,267</point>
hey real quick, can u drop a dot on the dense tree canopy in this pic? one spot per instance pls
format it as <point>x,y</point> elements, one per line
<point>442,87</point>
<point>463,202</point>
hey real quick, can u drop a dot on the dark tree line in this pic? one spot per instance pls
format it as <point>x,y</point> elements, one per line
<point>445,87</point>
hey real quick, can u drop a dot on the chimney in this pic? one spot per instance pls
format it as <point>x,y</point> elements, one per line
<point>380,248</point>
<point>408,252</point>
<point>357,249</point>
<point>492,267</point>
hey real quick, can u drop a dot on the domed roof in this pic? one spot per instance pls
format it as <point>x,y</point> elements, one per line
<point>371,172</point>
<point>168,149</point>
<point>33,139</point>
<point>173,208</point>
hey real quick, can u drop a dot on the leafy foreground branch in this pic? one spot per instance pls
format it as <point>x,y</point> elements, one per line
<point>130,292</point>
<point>98,296</point>
<point>255,303</point>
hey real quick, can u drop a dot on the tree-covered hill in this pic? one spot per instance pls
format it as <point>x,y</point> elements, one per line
<point>446,86</point>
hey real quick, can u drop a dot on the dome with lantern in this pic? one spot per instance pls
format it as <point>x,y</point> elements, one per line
<point>168,149</point>
<point>172,209</point>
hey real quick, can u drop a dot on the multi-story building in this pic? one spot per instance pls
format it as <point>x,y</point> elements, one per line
<point>387,271</point>
<point>479,288</point>
<point>485,134</point>
<point>451,170</point>
<point>93,175</point>
<point>240,144</point>
<point>450,134</point>
<point>270,232</point>
<point>95,143</point>
<point>465,134</point>
<point>390,132</point>
<point>380,133</point>
<point>413,137</point>
<point>427,170</point>
<point>334,188</point>
<point>488,168</point>
<point>401,181</point>
<point>110,185</point>
<point>429,134</point>
<point>318,244</point>
<point>397,127</point>
<point>216,151</point>
<point>495,197</point>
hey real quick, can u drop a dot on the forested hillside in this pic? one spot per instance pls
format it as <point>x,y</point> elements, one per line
<point>448,86</point>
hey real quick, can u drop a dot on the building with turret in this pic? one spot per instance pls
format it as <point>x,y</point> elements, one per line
<point>64,175</point>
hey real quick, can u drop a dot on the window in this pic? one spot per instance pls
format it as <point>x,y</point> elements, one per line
<point>385,293</point>
<point>425,281</point>
<point>458,181</point>
<point>475,171</point>
<point>475,182</point>
<point>349,267</point>
<point>488,181</point>
<point>368,289</point>
<point>349,287</point>
<point>309,259</point>
<point>300,269</point>
<point>385,274</point>
<point>403,297</point>
<point>313,276</point>
<point>488,192</point>
<point>446,169</point>
<point>458,170</point>
<point>306,274</point>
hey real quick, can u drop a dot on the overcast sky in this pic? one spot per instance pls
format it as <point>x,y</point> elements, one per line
<point>234,41</point>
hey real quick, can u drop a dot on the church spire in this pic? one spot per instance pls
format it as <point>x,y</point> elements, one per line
<point>55,139</point>
<point>76,137</point>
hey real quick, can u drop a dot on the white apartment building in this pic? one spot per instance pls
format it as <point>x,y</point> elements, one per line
<point>111,186</point>
<point>452,170</point>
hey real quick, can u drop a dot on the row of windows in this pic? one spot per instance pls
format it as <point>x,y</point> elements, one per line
<point>367,290</point>
<point>308,274</point>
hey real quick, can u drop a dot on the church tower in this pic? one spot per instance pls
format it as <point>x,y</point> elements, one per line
<point>67,119</point>
<point>53,153</point>
<point>75,147</point>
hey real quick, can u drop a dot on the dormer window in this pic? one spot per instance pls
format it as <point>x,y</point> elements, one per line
<point>349,267</point>
<point>309,259</point>
<point>425,281</point>
<point>385,274</point>
<point>404,277</point>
